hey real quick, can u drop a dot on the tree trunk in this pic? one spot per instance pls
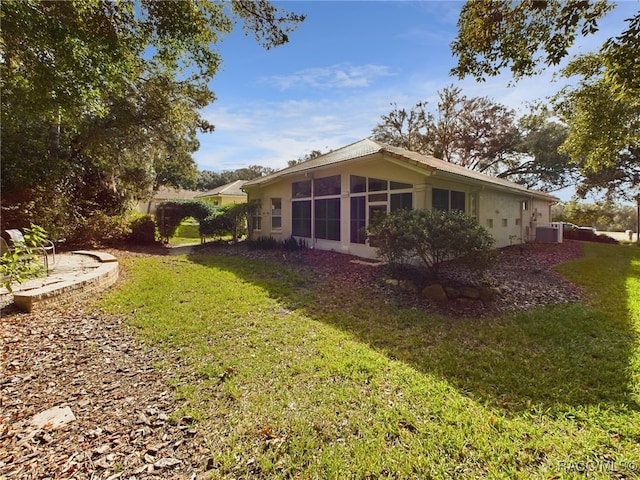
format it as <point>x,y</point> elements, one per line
<point>54,138</point>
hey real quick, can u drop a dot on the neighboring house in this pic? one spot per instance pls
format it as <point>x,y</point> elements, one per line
<point>164,194</point>
<point>229,193</point>
<point>329,200</point>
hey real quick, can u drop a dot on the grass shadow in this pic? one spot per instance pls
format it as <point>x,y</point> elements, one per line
<point>553,358</point>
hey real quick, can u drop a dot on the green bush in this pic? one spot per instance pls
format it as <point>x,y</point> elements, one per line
<point>218,224</point>
<point>99,229</point>
<point>21,263</point>
<point>170,213</point>
<point>263,243</point>
<point>143,230</point>
<point>230,219</point>
<point>434,237</point>
<point>388,233</point>
<point>291,244</point>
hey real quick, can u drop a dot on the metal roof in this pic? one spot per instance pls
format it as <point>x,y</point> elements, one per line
<point>368,147</point>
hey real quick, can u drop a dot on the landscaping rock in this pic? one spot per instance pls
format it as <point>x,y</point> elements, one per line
<point>470,292</point>
<point>434,292</point>
<point>452,293</point>
<point>489,294</point>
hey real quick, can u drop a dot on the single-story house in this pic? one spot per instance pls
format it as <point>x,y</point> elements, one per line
<point>327,201</point>
<point>225,194</point>
<point>162,195</point>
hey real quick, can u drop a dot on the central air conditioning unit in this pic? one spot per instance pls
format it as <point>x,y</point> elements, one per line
<point>549,233</point>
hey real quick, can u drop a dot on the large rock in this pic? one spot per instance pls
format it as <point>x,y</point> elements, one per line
<point>488,294</point>
<point>470,292</point>
<point>452,293</point>
<point>434,292</point>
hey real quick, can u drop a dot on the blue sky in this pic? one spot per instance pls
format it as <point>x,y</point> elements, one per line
<point>342,69</point>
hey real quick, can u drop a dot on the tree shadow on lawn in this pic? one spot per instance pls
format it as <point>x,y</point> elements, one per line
<point>551,359</point>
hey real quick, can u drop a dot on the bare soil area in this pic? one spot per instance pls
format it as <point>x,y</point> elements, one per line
<point>123,422</point>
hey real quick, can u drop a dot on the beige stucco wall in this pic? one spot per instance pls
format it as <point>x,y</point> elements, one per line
<point>220,200</point>
<point>503,208</point>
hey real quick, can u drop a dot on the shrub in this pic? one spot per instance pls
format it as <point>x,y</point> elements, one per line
<point>21,263</point>
<point>99,229</point>
<point>433,237</point>
<point>143,230</point>
<point>263,243</point>
<point>389,234</point>
<point>217,224</point>
<point>229,219</point>
<point>237,214</point>
<point>587,235</point>
<point>170,213</point>
<point>292,244</point>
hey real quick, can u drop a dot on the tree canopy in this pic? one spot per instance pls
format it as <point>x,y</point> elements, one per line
<point>208,180</point>
<point>101,99</point>
<point>482,135</point>
<point>604,133</point>
<point>602,109</point>
<point>498,34</point>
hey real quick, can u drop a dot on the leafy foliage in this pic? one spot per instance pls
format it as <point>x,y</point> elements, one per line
<point>230,219</point>
<point>390,235</point>
<point>602,216</point>
<point>21,262</point>
<point>102,100</point>
<point>143,230</point>
<point>216,224</point>
<point>498,34</point>
<point>291,244</point>
<point>309,156</point>
<point>604,130</point>
<point>601,112</point>
<point>99,229</point>
<point>169,214</point>
<point>213,220</point>
<point>434,237</point>
<point>482,135</point>
<point>208,180</point>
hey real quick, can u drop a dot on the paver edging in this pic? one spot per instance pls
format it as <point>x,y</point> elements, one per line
<point>91,282</point>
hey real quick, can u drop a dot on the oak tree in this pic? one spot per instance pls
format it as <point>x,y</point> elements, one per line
<point>101,99</point>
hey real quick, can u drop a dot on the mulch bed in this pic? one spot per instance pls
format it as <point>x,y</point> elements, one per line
<point>523,276</point>
<point>90,362</point>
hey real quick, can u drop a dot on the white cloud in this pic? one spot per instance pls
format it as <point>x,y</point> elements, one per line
<point>341,75</point>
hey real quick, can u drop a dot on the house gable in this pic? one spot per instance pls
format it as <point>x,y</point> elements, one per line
<point>229,193</point>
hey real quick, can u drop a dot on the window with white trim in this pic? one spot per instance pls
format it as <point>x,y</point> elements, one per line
<point>276,214</point>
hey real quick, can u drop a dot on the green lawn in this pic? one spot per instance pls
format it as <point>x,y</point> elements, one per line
<point>189,233</point>
<point>290,376</point>
<point>186,233</point>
